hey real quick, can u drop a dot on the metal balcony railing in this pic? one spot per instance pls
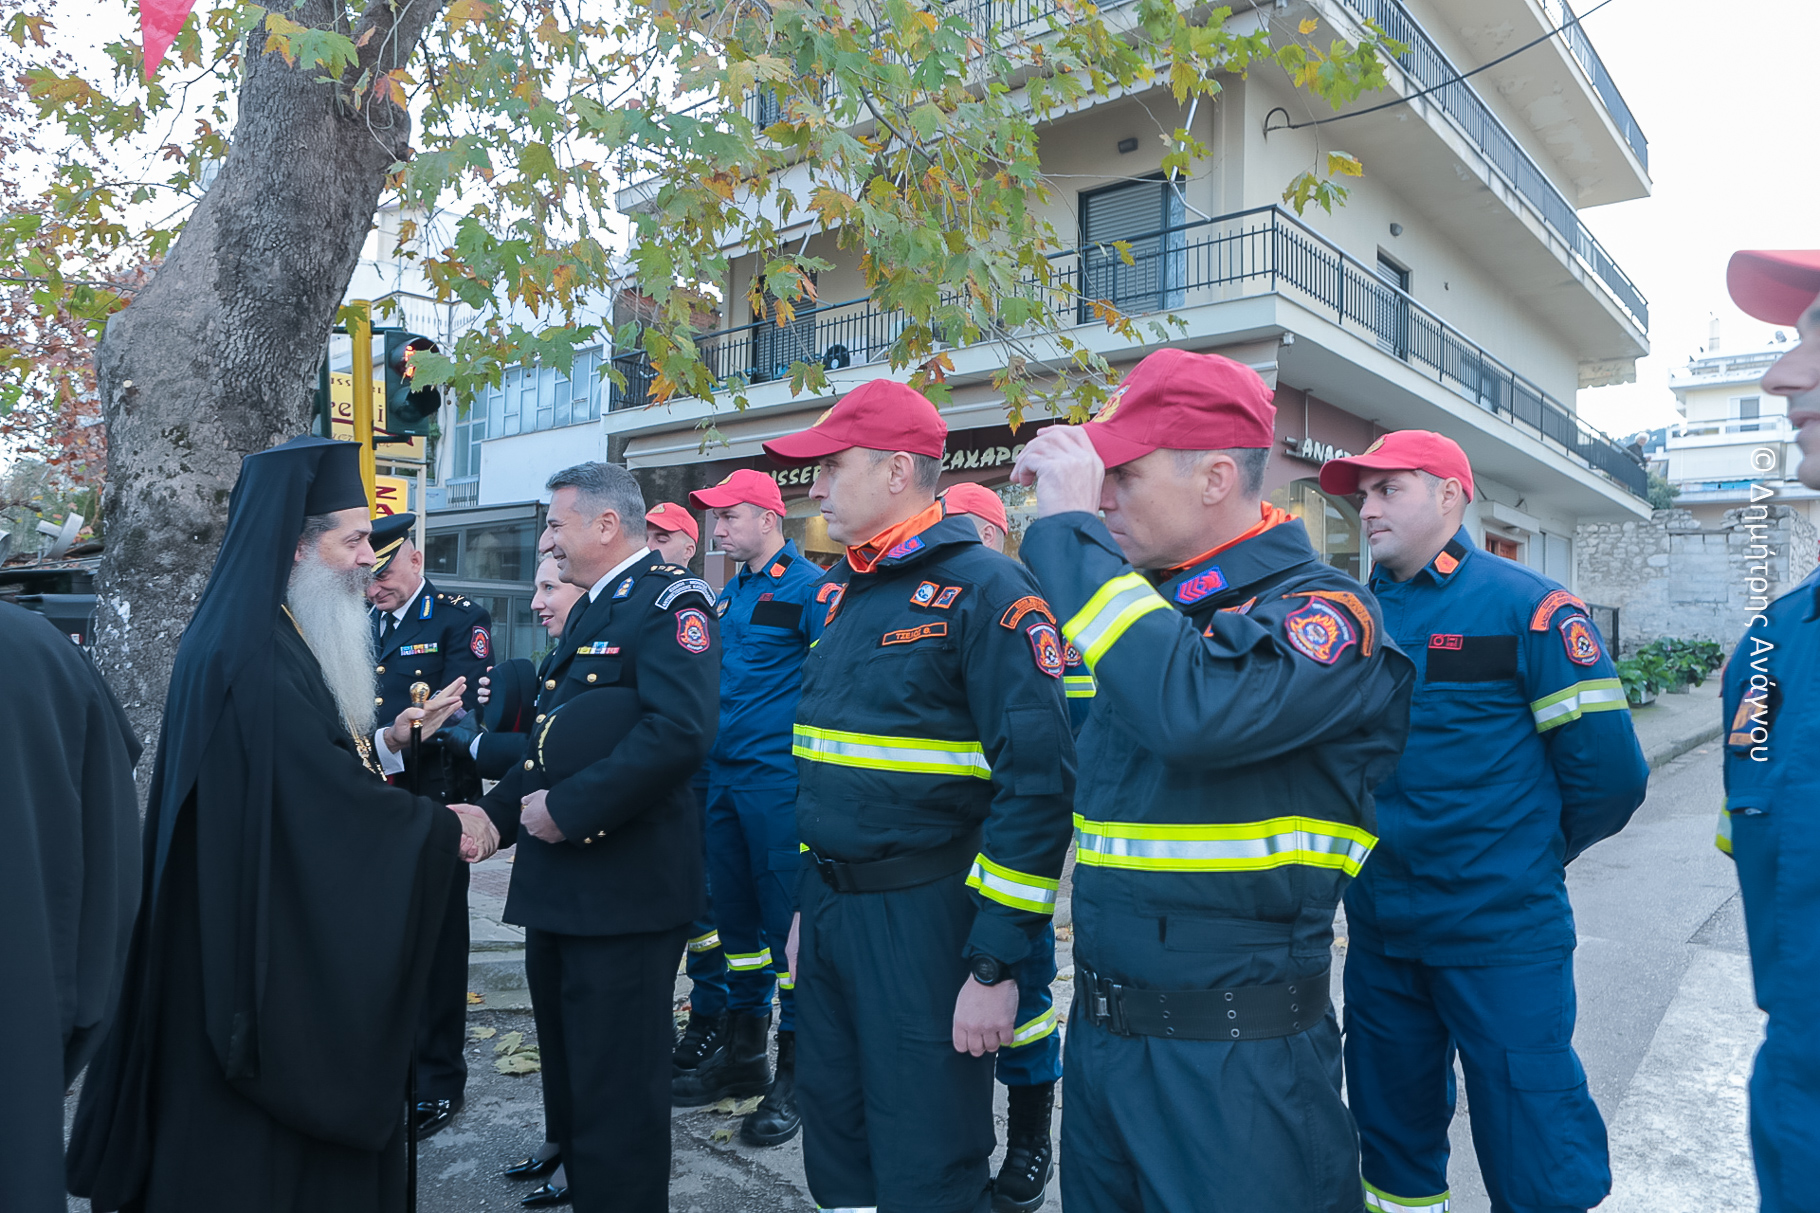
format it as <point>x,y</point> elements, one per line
<point>1428,68</point>
<point>1256,252</point>
<point>1581,47</point>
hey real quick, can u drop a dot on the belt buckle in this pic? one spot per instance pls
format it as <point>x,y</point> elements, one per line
<point>830,870</point>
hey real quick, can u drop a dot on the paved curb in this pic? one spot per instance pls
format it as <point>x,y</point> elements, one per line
<point>1668,751</point>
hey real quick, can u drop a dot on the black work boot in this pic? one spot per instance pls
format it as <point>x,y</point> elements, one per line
<point>739,1070</point>
<point>705,1036</point>
<point>776,1120</point>
<point>1029,1156</point>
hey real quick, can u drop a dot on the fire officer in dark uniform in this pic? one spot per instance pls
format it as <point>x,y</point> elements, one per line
<point>934,758</point>
<point>425,635</point>
<point>1772,775</point>
<point>767,622</point>
<point>609,872</point>
<point>1248,701</point>
<point>1031,1064</point>
<point>1521,755</point>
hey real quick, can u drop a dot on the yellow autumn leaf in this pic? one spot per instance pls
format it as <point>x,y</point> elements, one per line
<point>1309,25</point>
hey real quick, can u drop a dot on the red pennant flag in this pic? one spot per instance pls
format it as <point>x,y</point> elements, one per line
<point>159,21</point>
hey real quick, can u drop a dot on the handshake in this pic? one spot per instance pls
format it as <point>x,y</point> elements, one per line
<point>479,837</point>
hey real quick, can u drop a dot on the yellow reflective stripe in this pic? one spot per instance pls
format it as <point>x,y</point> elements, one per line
<point>1239,847</point>
<point>1377,1198</point>
<point>918,755</point>
<point>1035,1030</point>
<point>1723,839</point>
<point>1007,886</point>
<point>1111,611</point>
<point>705,943</point>
<point>746,961</point>
<point>1593,695</point>
<point>783,981</point>
<point>1080,686</point>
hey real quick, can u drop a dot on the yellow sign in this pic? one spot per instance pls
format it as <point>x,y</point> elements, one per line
<point>341,415</point>
<point>392,495</point>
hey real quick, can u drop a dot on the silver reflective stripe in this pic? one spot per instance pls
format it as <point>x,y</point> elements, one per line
<point>1376,1198</point>
<point>879,752</point>
<point>1037,1029</point>
<point>1240,847</point>
<point>1570,703</point>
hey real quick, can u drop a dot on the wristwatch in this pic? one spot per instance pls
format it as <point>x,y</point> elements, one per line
<point>987,970</point>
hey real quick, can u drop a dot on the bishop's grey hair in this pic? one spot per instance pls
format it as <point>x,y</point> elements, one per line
<point>602,487</point>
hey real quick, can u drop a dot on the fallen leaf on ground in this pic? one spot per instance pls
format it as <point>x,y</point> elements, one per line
<point>482,1033</point>
<point>509,1042</point>
<point>721,1137</point>
<point>474,999</point>
<point>526,1062</point>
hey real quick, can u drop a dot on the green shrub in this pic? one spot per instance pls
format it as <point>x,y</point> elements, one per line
<point>1668,662</point>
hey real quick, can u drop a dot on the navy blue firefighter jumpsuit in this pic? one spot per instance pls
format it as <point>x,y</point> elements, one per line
<point>1772,783</point>
<point>767,620</point>
<point>1246,706</point>
<point>1521,755</point>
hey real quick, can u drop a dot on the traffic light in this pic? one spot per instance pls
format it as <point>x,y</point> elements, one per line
<point>409,408</point>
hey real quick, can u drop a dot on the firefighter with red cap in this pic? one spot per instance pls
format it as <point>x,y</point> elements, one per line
<point>1521,755</point>
<point>1772,779</point>
<point>935,775</point>
<point>1031,1064</point>
<point>767,622</point>
<point>672,533</point>
<point>1248,701</point>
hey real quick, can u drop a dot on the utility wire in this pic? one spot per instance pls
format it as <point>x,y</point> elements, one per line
<point>1565,25</point>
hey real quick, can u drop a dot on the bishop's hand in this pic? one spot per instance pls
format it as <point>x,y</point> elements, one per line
<point>433,714</point>
<point>479,836</point>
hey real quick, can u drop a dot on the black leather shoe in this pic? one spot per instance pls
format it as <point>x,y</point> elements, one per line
<point>1023,1178</point>
<point>705,1036</point>
<point>532,1167</point>
<point>777,1119</point>
<point>433,1116</point>
<point>739,1070</point>
<point>546,1195</point>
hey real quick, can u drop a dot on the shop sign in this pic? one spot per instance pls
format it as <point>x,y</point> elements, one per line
<point>984,457</point>
<point>1313,451</point>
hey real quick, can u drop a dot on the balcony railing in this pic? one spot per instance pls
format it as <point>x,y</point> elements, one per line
<point>1428,68</point>
<point>1581,47</point>
<point>1256,252</point>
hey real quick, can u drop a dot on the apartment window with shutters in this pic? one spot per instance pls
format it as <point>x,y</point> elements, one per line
<point>1749,409</point>
<point>1393,308</point>
<point>1147,215</point>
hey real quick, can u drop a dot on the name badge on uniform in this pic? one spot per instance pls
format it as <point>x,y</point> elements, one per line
<point>417,650</point>
<point>599,648</point>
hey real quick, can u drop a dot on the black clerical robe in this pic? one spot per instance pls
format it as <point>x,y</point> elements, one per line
<point>281,1089</point>
<point>69,883</point>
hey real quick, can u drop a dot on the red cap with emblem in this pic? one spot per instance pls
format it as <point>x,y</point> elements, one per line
<point>883,415</point>
<point>744,487</point>
<point>1775,286</point>
<point>1400,451</point>
<point>668,516</point>
<point>1181,401</point>
<point>980,501</point>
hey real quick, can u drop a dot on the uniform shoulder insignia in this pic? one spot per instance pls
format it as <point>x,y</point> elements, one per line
<point>1353,606</point>
<point>1320,631</point>
<point>669,570</point>
<point>1581,642</point>
<point>1029,604</point>
<point>692,631</point>
<point>688,585</point>
<point>1545,610</point>
<point>1207,581</point>
<point>1047,647</point>
<point>480,643</point>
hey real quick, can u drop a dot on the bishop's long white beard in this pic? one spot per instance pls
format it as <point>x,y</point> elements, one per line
<point>330,607</point>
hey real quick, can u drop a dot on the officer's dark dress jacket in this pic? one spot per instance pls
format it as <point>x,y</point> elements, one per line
<point>631,859</point>
<point>932,711</point>
<point>1245,708</point>
<point>442,637</point>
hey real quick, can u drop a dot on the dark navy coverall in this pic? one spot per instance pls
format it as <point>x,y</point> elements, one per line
<point>932,735</point>
<point>767,620</point>
<point>1772,785</point>
<point>1521,755</point>
<point>1246,707</point>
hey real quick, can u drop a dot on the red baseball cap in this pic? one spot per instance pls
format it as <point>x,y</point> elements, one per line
<point>1400,451</point>
<point>668,516</point>
<point>744,487</point>
<point>978,500</point>
<point>1774,286</point>
<point>883,415</point>
<point>1181,401</point>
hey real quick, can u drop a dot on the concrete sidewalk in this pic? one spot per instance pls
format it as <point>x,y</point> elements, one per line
<point>1675,724</point>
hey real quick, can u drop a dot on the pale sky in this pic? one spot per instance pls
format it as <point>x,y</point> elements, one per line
<point>1720,90</point>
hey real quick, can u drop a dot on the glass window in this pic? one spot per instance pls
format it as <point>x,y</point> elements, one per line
<point>442,554</point>
<point>1332,523</point>
<point>545,377</point>
<point>501,553</point>
<point>803,522</point>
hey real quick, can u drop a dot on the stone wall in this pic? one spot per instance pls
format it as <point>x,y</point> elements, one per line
<point>1671,576</point>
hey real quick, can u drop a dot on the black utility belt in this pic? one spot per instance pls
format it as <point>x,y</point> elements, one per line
<point>1241,1013</point>
<point>899,872</point>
